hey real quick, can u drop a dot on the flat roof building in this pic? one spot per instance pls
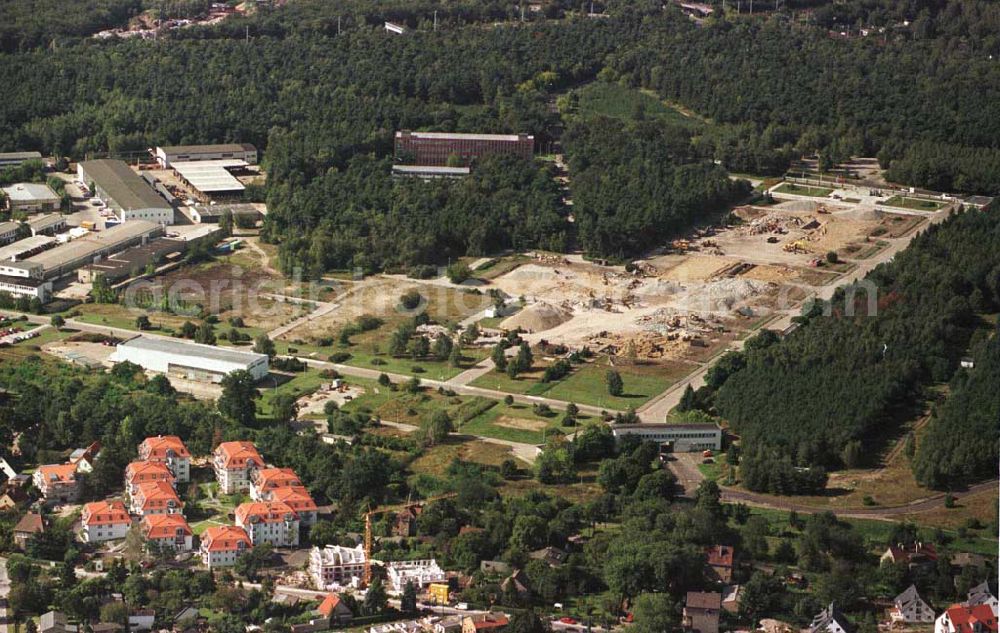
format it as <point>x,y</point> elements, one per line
<point>124,192</point>
<point>211,213</point>
<point>26,248</point>
<point>429,172</point>
<point>190,361</point>
<point>679,438</point>
<point>66,258</point>
<point>8,231</point>
<point>436,148</point>
<point>31,196</point>
<point>166,156</point>
<point>133,261</point>
<point>16,159</point>
<point>211,177</point>
<point>48,224</point>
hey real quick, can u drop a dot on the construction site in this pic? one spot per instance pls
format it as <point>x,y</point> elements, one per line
<point>700,292</point>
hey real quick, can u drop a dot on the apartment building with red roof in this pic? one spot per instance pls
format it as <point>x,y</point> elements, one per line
<point>170,450</point>
<point>104,521</point>
<point>234,464</point>
<point>145,472</point>
<point>300,500</point>
<point>155,497</point>
<point>270,522</point>
<point>221,545</point>
<point>267,480</point>
<point>167,531</point>
<point>58,483</point>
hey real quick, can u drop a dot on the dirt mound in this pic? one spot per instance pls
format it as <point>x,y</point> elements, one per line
<point>538,317</point>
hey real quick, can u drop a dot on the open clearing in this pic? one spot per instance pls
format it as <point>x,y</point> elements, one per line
<point>803,190</point>
<point>913,204</point>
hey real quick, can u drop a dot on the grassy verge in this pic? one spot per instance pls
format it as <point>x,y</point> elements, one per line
<point>803,190</point>
<point>914,204</point>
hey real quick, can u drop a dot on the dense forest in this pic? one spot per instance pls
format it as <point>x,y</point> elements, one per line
<point>960,444</point>
<point>841,379</point>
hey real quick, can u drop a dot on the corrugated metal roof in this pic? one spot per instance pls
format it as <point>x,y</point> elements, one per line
<point>123,185</point>
<point>210,175</point>
<point>30,192</point>
<point>211,352</point>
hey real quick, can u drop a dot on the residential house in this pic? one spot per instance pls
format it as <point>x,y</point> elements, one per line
<point>55,622</point>
<point>30,525</point>
<point>169,450</point>
<point>335,565</point>
<point>961,560</point>
<point>11,497</point>
<point>517,583</point>
<point>270,522</point>
<point>909,608</point>
<point>234,464</point>
<point>419,573</point>
<point>104,521</point>
<point>960,618</point>
<point>406,521</point>
<point>221,545</point>
<point>186,620</point>
<point>146,472</point>
<point>913,554</point>
<point>449,624</point>
<point>731,595</point>
<point>83,458</point>
<point>981,594</point>
<point>300,500</point>
<point>484,622</point>
<point>553,556</point>
<point>141,620</point>
<point>831,620</point>
<point>58,483</point>
<point>267,480</point>
<point>155,497</point>
<point>334,609</point>
<point>720,563</point>
<point>701,611</point>
<point>167,531</point>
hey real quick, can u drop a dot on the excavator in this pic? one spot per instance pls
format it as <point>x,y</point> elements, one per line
<point>367,578</point>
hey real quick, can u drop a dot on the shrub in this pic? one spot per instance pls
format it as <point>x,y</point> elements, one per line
<point>340,357</point>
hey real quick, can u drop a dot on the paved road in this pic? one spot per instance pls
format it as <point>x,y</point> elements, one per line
<point>482,368</point>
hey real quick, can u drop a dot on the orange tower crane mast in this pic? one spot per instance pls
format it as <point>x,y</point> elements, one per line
<point>368,528</point>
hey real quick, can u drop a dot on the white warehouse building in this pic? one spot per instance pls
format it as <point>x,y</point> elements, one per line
<point>677,438</point>
<point>190,361</point>
<point>126,194</point>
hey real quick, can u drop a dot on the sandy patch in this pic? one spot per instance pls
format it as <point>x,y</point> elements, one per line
<point>520,423</point>
<point>538,317</point>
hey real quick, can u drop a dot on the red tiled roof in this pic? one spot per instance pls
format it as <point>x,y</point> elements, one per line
<point>159,526</point>
<point>903,553</point>
<point>264,511</point>
<point>155,448</point>
<point>272,478</point>
<point>58,472</point>
<point>156,494</point>
<point>31,522</point>
<point>720,556</point>
<point>105,513</point>
<point>297,498</point>
<point>492,622</point>
<point>147,471</point>
<point>329,604</point>
<point>238,454</point>
<point>224,538</point>
<point>965,619</point>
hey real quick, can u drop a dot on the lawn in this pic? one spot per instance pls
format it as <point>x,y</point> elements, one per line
<point>425,368</point>
<point>436,459</point>
<point>914,204</point>
<point>613,100</point>
<point>586,384</point>
<point>302,383</point>
<point>515,423</point>
<point>803,190</point>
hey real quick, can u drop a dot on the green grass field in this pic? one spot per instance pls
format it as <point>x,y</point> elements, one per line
<point>614,100</point>
<point>514,423</point>
<point>914,204</point>
<point>803,190</point>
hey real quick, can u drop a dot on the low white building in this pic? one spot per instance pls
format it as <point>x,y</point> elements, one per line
<point>124,192</point>
<point>419,572</point>
<point>676,438</point>
<point>190,361</point>
<point>104,521</point>
<point>219,151</point>
<point>336,566</point>
<point>29,197</point>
